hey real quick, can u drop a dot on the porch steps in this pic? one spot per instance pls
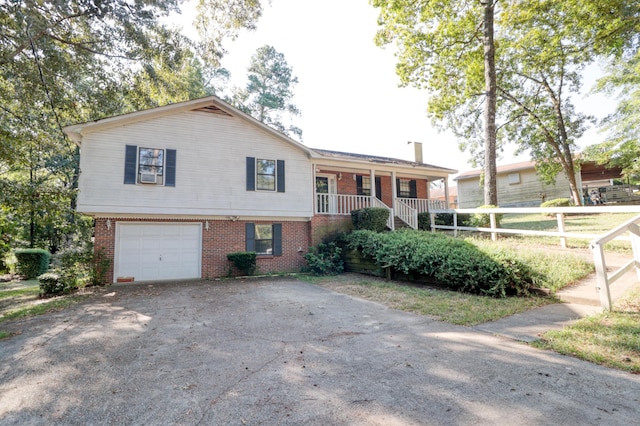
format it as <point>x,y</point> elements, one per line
<point>399,223</point>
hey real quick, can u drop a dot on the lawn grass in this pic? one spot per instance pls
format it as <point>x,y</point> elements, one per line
<point>21,299</point>
<point>599,223</point>
<point>449,306</point>
<point>611,338</point>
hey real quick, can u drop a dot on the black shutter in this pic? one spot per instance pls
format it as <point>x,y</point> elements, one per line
<point>277,239</point>
<point>359,190</point>
<point>378,187</point>
<point>413,189</point>
<point>170,168</point>
<point>251,175</point>
<point>250,231</point>
<point>397,187</point>
<point>130,164</point>
<point>280,175</point>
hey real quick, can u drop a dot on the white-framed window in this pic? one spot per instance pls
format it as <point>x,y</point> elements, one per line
<point>265,175</point>
<point>264,239</point>
<point>366,185</point>
<point>150,165</point>
<point>145,165</point>
<point>404,188</point>
<point>513,178</point>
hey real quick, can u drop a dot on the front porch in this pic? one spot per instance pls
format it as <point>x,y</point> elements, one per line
<point>346,182</point>
<point>405,209</point>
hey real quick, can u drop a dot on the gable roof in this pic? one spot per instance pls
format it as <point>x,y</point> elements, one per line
<point>364,158</point>
<point>209,104</point>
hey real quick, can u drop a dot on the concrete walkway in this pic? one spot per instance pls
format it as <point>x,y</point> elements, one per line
<point>578,301</point>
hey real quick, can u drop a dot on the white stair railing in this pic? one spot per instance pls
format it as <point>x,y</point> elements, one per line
<point>406,214</point>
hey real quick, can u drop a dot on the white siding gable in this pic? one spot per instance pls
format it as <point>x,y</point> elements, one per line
<point>210,169</point>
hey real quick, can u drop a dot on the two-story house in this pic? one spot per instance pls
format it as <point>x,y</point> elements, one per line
<point>176,188</point>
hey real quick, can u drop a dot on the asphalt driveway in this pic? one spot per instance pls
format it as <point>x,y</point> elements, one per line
<point>286,352</point>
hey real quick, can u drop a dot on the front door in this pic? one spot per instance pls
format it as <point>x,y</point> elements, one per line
<point>325,189</point>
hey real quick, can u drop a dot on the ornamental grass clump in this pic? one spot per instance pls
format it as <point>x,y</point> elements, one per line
<point>453,263</point>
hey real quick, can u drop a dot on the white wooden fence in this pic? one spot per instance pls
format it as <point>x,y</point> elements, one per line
<point>597,245</point>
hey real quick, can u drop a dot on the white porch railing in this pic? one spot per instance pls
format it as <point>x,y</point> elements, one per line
<point>603,278</point>
<point>341,204</point>
<point>406,213</point>
<point>423,205</point>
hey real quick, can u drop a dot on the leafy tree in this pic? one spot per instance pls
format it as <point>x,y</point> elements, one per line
<point>622,145</point>
<point>541,48</point>
<point>269,90</point>
<point>72,61</point>
<point>447,47</point>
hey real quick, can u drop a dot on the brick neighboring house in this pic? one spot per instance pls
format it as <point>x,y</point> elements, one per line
<point>176,188</point>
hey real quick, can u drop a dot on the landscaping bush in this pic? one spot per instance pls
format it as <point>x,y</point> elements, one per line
<point>483,220</point>
<point>424,220</point>
<point>245,261</point>
<point>51,283</point>
<point>370,218</point>
<point>557,202</point>
<point>32,262</point>
<point>447,261</point>
<point>325,259</point>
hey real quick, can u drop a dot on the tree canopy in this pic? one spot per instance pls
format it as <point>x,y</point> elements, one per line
<point>269,90</point>
<point>542,46</point>
<point>622,145</point>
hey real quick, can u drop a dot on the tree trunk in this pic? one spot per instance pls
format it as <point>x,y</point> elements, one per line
<point>490,184</point>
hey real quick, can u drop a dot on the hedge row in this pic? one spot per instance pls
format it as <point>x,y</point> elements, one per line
<point>450,262</point>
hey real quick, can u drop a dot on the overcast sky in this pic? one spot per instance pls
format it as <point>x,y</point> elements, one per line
<point>348,89</point>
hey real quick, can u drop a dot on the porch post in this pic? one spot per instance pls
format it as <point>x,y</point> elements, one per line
<point>394,190</point>
<point>372,179</point>
<point>314,200</point>
<point>446,193</point>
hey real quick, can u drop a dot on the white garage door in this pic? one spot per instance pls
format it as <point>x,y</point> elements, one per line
<point>153,251</point>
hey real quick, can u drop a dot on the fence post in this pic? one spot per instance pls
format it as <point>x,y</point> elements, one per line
<point>634,230</point>
<point>432,219</point>
<point>492,220</point>
<point>602,280</point>
<point>455,224</point>
<point>563,240</point>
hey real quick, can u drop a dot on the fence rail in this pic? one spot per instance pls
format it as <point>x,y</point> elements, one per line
<point>603,278</point>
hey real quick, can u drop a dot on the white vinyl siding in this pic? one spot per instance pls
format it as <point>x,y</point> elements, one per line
<point>210,170</point>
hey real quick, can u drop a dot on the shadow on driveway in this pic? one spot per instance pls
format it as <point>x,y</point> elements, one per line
<point>286,352</point>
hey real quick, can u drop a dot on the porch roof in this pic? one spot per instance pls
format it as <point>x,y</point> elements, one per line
<point>370,160</point>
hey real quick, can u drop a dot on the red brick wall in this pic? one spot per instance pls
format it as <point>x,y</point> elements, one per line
<point>225,236</point>
<point>326,227</point>
<point>222,237</point>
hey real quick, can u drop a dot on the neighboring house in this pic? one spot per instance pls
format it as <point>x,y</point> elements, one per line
<point>519,185</point>
<point>176,188</point>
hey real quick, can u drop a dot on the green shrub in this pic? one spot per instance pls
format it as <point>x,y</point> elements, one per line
<point>483,220</point>
<point>32,262</point>
<point>370,218</point>
<point>424,220</point>
<point>557,202</point>
<point>51,283</point>
<point>245,261</point>
<point>325,259</point>
<point>447,261</point>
